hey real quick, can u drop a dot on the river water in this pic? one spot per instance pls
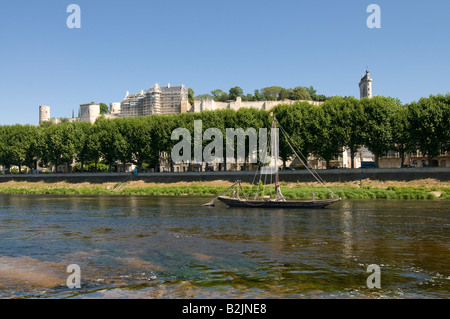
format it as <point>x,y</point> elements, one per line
<point>172,247</point>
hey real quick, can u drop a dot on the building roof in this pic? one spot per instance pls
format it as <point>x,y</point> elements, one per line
<point>366,76</point>
<point>167,89</point>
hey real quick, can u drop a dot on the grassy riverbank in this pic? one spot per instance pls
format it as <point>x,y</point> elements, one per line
<point>428,189</point>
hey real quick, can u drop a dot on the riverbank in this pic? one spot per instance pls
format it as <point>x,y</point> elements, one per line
<point>329,176</point>
<point>424,189</point>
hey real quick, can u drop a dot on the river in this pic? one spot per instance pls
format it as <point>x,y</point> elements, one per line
<point>172,247</point>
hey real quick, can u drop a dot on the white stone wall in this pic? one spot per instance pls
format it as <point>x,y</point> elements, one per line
<point>211,105</point>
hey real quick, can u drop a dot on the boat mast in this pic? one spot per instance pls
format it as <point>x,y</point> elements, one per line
<point>275,152</point>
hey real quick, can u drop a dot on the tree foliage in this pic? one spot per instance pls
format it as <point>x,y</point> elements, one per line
<point>270,93</point>
<point>381,124</point>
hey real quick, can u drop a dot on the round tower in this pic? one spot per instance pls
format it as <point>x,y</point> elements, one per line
<point>44,113</point>
<point>89,112</point>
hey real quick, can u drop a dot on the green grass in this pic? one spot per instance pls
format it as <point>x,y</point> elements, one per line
<point>297,192</point>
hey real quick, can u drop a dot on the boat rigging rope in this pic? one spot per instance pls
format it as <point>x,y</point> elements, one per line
<point>211,203</point>
<point>254,178</point>
<point>313,172</point>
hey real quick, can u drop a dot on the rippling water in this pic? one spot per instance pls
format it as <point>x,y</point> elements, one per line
<point>167,247</point>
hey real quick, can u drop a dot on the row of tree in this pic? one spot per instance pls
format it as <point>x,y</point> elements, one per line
<point>381,124</point>
<point>272,93</point>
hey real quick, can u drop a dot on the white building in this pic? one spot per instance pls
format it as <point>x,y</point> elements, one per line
<point>365,86</point>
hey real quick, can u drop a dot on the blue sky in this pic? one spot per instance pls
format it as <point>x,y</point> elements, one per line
<point>131,45</point>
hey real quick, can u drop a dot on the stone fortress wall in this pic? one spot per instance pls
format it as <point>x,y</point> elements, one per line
<point>211,105</point>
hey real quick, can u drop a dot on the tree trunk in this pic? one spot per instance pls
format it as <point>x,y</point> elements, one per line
<point>376,161</point>
<point>402,157</point>
<point>352,157</point>
<point>328,164</point>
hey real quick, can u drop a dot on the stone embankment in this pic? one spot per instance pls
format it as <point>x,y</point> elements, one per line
<point>332,176</point>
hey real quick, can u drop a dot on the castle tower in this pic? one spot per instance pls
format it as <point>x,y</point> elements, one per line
<point>89,112</point>
<point>115,108</point>
<point>44,113</point>
<point>365,86</point>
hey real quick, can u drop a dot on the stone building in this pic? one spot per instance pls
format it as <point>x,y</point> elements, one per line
<point>89,112</point>
<point>365,86</point>
<point>157,100</point>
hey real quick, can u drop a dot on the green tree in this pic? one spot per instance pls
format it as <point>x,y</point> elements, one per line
<point>249,97</point>
<point>85,150</point>
<point>29,142</point>
<point>378,129</point>
<point>109,138</point>
<point>348,120</point>
<point>137,139</point>
<point>104,109</point>
<point>271,93</point>
<point>162,127</point>
<point>296,120</point>
<point>224,97</point>
<point>257,96</point>
<point>299,93</point>
<point>204,97</point>
<point>328,131</point>
<point>217,94</point>
<point>428,129</point>
<point>191,95</point>
<point>235,92</point>
<point>283,94</point>
<point>61,140</point>
<point>402,140</point>
<point>312,93</point>
<point>7,147</point>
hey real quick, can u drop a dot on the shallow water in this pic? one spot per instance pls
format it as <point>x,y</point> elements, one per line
<point>172,247</point>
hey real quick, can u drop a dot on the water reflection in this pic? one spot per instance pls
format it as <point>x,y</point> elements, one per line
<point>156,246</point>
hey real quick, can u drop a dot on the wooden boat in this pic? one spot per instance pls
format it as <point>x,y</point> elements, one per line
<point>278,201</point>
<point>236,202</point>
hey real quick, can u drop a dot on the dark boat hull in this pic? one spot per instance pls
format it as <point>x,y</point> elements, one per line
<point>233,202</point>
